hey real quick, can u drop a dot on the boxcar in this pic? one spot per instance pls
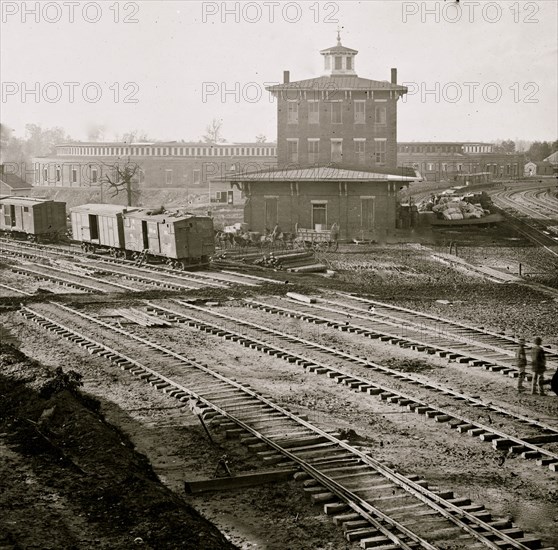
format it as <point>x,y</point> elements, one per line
<point>99,226</point>
<point>184,239</point>
<point>40,219</point>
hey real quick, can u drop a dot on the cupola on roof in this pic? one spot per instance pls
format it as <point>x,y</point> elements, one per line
<point>339,60</point>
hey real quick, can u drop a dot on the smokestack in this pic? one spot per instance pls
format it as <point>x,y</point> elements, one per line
<point>394,75</point>
<point>286,77</point>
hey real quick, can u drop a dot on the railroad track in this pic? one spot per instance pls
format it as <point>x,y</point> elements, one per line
<point>77,281</point>
<point>375,505</point>
<point>407,328</point>
<point>257,336</point>
<point>530,214</point>
<point>153,274</point>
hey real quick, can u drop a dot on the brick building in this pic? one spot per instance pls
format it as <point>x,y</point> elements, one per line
<point>456,160</point>
<point>336,147</point>
<point>185,165</point>
<point>339,118</point>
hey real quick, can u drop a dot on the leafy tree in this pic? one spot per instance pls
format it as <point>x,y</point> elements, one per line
<point>539,150</point>
<point>506,146</point>
<point>213,132</point>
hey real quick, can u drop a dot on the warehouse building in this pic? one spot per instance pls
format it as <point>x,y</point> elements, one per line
<point>189,166</point>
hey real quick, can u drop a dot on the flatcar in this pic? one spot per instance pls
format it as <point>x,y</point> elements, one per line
<point>182,240</point>
<point>42,220</point>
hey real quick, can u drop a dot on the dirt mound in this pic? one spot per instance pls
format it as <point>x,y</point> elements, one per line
<point>71,480</point>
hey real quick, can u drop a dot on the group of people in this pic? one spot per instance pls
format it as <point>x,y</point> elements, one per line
<point>538,367</point>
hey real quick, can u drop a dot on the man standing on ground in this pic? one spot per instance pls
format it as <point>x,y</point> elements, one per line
<point>538,364</point>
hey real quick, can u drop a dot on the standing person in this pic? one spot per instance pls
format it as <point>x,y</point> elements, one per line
<point>521,363</point>
<point>538,364</point>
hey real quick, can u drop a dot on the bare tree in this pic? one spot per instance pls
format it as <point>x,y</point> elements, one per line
<point>121,179</point>
<point>213,132</point>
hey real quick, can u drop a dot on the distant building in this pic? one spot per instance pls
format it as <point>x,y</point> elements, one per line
<point>338,119</point>
<point>185,165</point>
<point>12,184</point>
<point>530,169</point>
<point>337,156</point>
<point>454,160</point>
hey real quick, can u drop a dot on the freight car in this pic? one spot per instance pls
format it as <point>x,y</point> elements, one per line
<point>182,240</point>
<point>36,219</point>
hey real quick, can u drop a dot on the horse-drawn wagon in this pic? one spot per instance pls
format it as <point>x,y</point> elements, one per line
<point>317,239</point>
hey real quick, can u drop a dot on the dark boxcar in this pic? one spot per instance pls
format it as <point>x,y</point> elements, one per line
<point>98,225</point>
<point>184,239</point>
<point>40,218</point>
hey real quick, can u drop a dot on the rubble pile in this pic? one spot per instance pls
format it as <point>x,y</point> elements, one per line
<point>451,207</point>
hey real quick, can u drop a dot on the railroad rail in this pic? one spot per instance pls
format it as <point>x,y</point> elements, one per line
<point>529,447</point>
<point>13,289</point>
<point>60,276</point>
<point>406,332</point>
<point>219,279</point>
<point>530,216</point>
<point>493,340</point>
<point>376,505</point>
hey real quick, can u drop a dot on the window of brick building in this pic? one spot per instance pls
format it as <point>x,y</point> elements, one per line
<point>313,112</point>
<point>319,215</point>
<point>313,151</point>
<point>292,150</point>
<point>360,111</point>
<point>380,114</point>
<point>349,63</point>
<point>336,112</point>
<point>94,175</point>
<point>196,177</point>
<point>74,174</point>
<point>338,62</point>
<point>336,150</point>
<point>168,177</point>
<point>380,151</point>
<point>292,112</point>
<point>58,174</point>
<point>360,150</point>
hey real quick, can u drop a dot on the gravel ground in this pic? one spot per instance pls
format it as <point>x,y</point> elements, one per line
<point>278,516</point>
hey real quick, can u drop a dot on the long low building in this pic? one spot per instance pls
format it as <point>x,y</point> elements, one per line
<point>190,166</point>
<point>362,204</point>
<point>454,160</point>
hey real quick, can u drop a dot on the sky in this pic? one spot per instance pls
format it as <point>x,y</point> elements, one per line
<point>476,70</point>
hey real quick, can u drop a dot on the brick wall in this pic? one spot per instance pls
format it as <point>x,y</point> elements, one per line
<point>347,130</point>
<point>343,200</point>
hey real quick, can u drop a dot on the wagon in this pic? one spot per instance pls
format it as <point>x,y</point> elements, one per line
<point>99,226</point>
<point>38,219</point>
<point>317,239</point>
<point>183,239</point>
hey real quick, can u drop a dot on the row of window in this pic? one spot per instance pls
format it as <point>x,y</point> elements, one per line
<point>336,112</point>
<point>338,62</point>
<point>168,151</point>
<point>319,214</point>
<point>336,150</point>
<point>445,148</point>
<point>94,175</point>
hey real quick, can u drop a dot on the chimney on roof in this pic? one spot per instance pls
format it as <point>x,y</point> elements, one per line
<point>286,77</point>
<point>394,75</point>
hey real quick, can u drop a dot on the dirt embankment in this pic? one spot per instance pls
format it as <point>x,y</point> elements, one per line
<point>71,480</point>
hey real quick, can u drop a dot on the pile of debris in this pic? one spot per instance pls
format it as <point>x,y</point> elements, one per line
<point>292,261</point>
<point>451,207</point>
